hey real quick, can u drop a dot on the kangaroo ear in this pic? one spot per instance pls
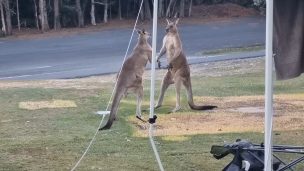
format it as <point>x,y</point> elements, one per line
<point>143,31</point>
<point>138,31</point>
<point>176,15</point>
<point>176,21</point>
<point>168,22</point>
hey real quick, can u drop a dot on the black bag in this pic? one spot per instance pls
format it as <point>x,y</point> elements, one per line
<point>246,156</point>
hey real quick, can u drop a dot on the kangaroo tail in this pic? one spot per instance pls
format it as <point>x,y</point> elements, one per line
<point>207,107</point>
<point>114,108</point>
<point>190,99</point>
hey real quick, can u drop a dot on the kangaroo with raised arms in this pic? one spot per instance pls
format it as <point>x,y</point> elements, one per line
<point>178,69</point>
<point>130,77</point>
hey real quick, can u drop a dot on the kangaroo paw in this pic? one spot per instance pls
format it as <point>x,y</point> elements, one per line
<point>157,106</point>
<point>176,109</point>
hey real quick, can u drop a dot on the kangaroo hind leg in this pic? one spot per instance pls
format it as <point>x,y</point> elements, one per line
<point>140,95</point>
<point>167,81</point>
<point>178,84</point>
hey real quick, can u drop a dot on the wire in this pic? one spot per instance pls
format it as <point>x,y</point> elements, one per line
<point>161,168</point>
<point>97,130</point>
<point>90,144</point>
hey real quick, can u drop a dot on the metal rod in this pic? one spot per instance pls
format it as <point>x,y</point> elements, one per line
<point>292,163</point>
<point>281,161</point>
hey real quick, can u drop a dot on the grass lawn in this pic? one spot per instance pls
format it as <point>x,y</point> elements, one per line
<point>54,139</point>
<point>228,50</point>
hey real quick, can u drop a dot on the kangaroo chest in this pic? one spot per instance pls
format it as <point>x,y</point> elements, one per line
<point>170,46</point>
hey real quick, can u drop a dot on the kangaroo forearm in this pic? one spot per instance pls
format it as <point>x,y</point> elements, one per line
<point>161,53</point>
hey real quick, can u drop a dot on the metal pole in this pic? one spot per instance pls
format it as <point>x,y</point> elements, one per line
<point>154,36</point>
<point>268,87</point>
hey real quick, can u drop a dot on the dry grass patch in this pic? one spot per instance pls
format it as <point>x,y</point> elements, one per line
<point>234,115</point>
<point>175,138</point>
<point>35,105</point>
<point>94,82</point>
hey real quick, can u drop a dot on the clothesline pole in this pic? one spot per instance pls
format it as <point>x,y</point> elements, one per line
<point>268,87</point>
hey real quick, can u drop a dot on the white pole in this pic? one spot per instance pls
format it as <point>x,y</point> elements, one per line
<point>154,36</point>
<point>268,87</point>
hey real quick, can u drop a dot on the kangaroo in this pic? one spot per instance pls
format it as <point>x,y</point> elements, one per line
<point>130,77</point>
<point>178,69</point>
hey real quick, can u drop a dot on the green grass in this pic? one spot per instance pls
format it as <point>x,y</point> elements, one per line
<point>54,139</point>
<point>252,48</point>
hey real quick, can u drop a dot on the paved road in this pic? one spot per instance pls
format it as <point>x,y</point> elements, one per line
<point>102,52</point>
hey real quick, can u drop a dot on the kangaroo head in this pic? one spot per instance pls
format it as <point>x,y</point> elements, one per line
<point>143,34</point>
<point>171,26</point>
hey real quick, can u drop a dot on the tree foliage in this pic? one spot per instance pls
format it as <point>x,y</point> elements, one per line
<point>55,14</point>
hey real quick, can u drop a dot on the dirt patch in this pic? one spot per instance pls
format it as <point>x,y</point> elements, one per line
<point>248,110</point>
<point>35,105</point>
<point>95,82</point>
<point>228,118</point>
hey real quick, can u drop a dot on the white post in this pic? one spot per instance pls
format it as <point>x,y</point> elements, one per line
<point>268,87</point>
<point>154,36</point>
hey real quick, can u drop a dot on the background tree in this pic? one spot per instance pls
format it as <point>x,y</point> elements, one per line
<point>105,14</point>
<point>79,14</point>
<point>18,14</point>
<point>169,7</point>
<point>119,10</point>
<point>3,28</point>
<point>57,24</point>
<point>36,14</point>
<point>182,8</point>
<point>190,8</point>
<point>43,14</point>
<point>93,20</point>
<point>9,29</point>
<point>161,8</point>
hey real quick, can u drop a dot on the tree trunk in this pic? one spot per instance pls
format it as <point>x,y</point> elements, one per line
<point>79,14</point>
<point>182,8</point>
<point>8,18</point>
<point>110,9</point>
<point>36,14</point>
<point>147,10</point>
<point>2,18</point>
<point>93,21</point>
<point>168,12</point>
<point>190,8</point>
<point>119,10</point>
<point>105,13</point>
<point>18,15</point>
<point>41,14</point>
<point>57,25</point>
<point>45,15</point>
<point>161,8</point>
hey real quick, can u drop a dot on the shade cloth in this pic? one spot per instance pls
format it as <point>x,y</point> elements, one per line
<point>288,40</point>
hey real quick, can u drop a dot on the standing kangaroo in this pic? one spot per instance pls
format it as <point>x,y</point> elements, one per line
<point>178,69</point>
<point>130,77</point>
